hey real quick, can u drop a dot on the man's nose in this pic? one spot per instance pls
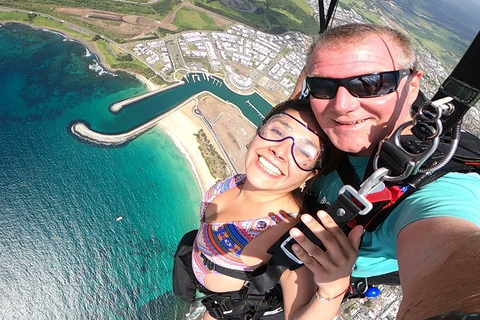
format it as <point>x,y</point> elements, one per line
<point>343,102</point>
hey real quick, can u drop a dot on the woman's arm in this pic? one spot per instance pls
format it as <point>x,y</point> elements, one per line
<point>315,291</point>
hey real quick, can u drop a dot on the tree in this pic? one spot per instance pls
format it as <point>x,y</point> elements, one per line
<point>31,16</point>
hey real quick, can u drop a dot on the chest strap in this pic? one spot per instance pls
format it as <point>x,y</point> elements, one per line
<point>242,275</point>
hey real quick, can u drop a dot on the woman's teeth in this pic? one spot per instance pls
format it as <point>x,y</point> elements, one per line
<point>268,167</point>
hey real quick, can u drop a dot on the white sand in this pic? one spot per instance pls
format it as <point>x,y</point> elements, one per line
<point>181,125</point>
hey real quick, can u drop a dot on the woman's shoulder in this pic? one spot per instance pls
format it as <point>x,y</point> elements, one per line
<point>222,186</point>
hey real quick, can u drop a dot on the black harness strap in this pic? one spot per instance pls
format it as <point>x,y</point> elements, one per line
<point>463,85</point>
<point>242,275</point>
<point>347,173</point>
<point>245,304</point>
<point>325,20</point>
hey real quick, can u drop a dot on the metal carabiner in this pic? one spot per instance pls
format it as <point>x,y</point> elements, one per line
<point>373,184</point>
<point>429,113</point>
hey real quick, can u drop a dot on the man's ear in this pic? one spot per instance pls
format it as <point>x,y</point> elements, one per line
<point>414,86</point>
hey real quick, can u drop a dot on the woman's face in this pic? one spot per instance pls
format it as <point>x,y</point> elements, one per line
<point>283,146</point>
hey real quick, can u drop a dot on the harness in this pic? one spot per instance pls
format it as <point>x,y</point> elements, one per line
<point>245,304</point>
<point>401,165</point>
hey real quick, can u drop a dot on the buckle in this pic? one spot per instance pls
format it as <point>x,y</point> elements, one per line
<point>373,184</point>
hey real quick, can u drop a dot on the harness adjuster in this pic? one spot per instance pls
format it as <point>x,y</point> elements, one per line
<point>354,199</point>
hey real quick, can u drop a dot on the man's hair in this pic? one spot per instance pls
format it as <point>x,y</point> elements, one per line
<point>348,35</point>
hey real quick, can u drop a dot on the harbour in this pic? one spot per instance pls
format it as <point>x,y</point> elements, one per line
<point>131,117</point>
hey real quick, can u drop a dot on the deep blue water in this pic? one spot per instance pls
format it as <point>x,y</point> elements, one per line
<point>63,254</point>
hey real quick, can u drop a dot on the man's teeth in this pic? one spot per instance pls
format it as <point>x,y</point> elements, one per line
<point>268,167</point>
<point>348,123</point>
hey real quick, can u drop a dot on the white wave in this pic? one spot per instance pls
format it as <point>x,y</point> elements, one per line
<point>196,312</point>
<point>65,38</point>
<point>87,53</point>
<point>98,68</point>
<point>182,149</point>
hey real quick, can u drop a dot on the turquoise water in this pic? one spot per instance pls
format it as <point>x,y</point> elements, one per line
<point>134,114</point>
<point>63,254</point>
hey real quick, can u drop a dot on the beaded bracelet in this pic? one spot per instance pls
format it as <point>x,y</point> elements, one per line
<point>319,297</point>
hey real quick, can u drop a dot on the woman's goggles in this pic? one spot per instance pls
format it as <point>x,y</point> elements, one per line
<point>283,126</point>
<point>364,86</point>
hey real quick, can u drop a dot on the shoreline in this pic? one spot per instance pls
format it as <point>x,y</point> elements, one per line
<point>92,48</point>
<point>182,135</point>
<point>184,139</point>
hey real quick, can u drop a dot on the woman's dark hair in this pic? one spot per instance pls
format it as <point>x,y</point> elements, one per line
<point>330,155</point>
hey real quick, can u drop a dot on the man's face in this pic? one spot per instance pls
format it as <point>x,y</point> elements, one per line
<point>356,125</point>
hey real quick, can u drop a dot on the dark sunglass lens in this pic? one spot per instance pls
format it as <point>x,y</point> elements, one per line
<point>321,88</point>
<point>389,84</point>
<point>365,86</point>
<point>373,85</point>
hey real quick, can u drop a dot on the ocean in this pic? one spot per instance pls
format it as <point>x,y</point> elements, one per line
<point>85,232</point>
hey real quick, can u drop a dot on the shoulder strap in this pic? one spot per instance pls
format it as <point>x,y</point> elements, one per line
<point>347,173</point>
<point>466,159</point>
<point>463,85</point>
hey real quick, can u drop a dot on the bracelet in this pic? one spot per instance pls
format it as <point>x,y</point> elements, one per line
<point>319,297</point>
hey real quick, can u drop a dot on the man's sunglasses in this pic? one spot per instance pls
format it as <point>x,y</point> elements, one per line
<point>364,86</point>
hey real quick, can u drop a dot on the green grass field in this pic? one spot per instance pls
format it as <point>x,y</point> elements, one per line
<point>190,19</point>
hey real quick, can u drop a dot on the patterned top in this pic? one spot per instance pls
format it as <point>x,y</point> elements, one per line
<point>222,242</point>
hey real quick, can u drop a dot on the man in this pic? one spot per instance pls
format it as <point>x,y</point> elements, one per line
<point>432,237</point>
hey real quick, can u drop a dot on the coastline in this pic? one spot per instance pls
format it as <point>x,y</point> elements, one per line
<point>182,135</point>
<point>91,46</point>
<point>181,125</point>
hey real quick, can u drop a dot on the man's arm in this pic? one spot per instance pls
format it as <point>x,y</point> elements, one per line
<point>439,260</point>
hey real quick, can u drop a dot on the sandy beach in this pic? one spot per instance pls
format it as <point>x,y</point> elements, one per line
<point>181,125</point>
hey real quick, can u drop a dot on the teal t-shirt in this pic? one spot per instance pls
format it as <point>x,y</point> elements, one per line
<point>453,195</point>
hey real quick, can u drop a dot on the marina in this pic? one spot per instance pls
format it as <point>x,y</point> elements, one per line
<point>130,118</point>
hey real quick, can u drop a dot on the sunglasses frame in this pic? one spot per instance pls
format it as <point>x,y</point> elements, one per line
<point>397,74</point>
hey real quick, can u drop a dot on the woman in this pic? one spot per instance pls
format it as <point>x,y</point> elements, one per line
<point>243,216</point>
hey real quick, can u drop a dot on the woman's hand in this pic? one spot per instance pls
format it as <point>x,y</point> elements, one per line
<point>331,268</point>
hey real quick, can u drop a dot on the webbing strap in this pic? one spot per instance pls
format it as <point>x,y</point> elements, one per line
<point>343,210</point>
<point>325,20</point>
<point>463,85</point>
<point>242,275</point>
